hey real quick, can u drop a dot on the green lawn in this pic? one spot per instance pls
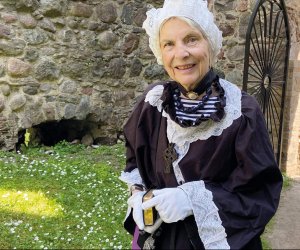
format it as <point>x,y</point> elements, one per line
<point>65,197</point>
<point>61,197</point>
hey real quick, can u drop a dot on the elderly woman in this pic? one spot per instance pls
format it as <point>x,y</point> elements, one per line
<point>198,143</point>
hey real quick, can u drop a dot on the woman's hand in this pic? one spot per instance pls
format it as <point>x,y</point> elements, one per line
<point>172,204</point>
<point>135,201</point>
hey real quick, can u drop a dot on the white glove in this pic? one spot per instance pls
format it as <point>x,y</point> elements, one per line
<point>135,201</point>
<point>153,228</point>
<point>172,204</point>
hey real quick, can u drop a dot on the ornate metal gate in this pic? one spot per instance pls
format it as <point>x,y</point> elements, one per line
<point>266,64</point>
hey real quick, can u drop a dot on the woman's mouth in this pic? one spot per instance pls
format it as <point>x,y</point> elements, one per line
<point>184,67</point>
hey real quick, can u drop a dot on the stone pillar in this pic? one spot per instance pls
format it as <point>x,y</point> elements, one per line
<point>290,148</point>
<point>290,162</point>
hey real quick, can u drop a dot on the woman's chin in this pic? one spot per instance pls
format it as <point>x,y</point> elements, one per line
<point>188,85</point>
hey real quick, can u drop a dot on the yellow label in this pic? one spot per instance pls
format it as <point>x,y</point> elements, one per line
<point>149,214</point>
<point>148,217</point>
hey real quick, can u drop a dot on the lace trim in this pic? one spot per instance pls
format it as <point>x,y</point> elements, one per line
<point>208,221</point>
<point>132,177</point>
<point>205,130</point>
<point>210,128</point>
<point>181,151</point>
<point>182,137</point>
<point>154,95</point>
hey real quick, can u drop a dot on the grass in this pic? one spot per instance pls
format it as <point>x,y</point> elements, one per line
<point>63,197</point>
<point>66,197</point>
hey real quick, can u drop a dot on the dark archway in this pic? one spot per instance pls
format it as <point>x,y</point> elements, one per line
<point>50,133</point>
<point>74,131</point>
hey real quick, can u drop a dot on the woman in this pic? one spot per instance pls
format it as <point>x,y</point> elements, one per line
<point>199,143</point>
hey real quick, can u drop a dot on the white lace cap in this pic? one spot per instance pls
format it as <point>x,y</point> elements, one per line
<point>195,10</point>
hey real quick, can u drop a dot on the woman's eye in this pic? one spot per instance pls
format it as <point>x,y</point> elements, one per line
<point>167,45</point>
<point>192,40</point>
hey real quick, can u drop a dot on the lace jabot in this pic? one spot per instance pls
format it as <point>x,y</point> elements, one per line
<point>209,84</point>
<point>180,135</point>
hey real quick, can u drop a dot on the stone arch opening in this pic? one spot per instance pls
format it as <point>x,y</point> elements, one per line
<point>74,131</point>
<point>50,133</point>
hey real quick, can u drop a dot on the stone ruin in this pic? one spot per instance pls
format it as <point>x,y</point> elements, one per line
<point>67,64</point>
<point>73,69</point>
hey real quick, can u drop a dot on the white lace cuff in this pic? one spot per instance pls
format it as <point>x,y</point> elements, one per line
<point>132,177</point>
<point>208,221</point>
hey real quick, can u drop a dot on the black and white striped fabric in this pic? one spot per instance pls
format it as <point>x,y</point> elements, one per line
<point>203,113</point>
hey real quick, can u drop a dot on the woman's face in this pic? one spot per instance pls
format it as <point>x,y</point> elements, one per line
<point>185,52</point>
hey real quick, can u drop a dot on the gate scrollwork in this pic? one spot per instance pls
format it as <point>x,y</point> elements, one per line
<point>266,64</point>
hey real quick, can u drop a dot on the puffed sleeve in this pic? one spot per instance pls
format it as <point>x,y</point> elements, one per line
<point>136,143</point>
<point>130,129</point>
<point>131,174</point>
<point>249,197</point>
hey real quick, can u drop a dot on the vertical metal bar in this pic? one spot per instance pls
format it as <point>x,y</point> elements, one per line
<point>276,48</point>
<point>273,109</point>
<point>257,66</point>
<point>262,41</point>
<point>275,38</point>
<point>275,92</point>
<point>264,38</point>
<point>287,30</point>
<point>274,105</point>
<point>247,45</point>
<point>269,35</point>
<point>261,60</point>
<point>269,118</point>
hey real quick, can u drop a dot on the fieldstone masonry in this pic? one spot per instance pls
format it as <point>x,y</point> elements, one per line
<point>89,60</point>
<point>291,136</point>
<point>81,60</point>
<point>290,162</point>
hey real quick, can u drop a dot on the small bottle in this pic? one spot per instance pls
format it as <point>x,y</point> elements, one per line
<point>149,214</point>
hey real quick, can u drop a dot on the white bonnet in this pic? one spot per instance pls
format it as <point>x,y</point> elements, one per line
<point>195,10</point>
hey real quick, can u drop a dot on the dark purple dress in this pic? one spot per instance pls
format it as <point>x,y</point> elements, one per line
<point>233,158</point>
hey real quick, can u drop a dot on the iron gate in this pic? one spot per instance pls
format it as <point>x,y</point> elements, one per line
<point>266,64</point>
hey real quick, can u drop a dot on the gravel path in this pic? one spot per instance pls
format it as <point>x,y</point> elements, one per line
<point>285,233</point>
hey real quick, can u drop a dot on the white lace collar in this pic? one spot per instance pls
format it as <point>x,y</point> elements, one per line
<point>205,130</point>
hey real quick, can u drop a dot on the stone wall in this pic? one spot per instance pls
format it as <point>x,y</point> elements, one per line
<point>232,17</point>
<point>71,60</point>
<point>89,59</point>
<point>291,134</point>
<point>291,137</point>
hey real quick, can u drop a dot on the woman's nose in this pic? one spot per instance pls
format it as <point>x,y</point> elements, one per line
<point>181,51</point>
